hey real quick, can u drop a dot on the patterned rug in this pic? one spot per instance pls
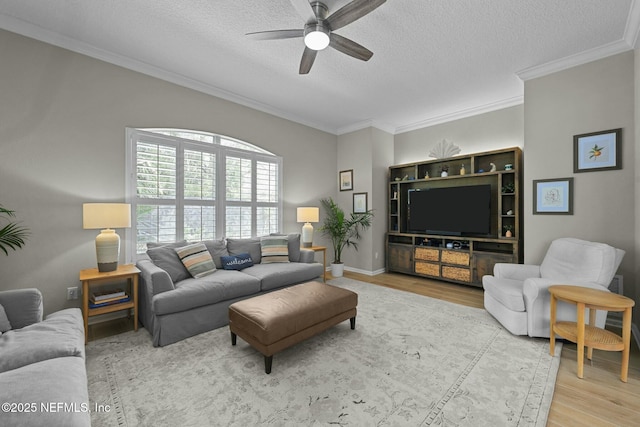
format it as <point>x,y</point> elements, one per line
<point>411,361</point>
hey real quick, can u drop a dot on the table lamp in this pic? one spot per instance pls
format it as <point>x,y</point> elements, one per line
<point>308,215</point>
<point>106,216</point>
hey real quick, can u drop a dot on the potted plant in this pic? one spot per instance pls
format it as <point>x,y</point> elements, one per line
<point>508,230</point>
<point>343,230</point>
<point>12,235</point>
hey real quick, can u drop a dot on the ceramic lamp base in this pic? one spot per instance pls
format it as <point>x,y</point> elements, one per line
<point>307,235</point>
<point>107,250</point>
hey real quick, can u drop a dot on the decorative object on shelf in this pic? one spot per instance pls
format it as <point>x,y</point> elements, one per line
<point>508,188</point>
<point>510,212</point>
<point>493,167</point>
<point>508,167</point>
<point>553,196</point>
<point>343,231</point>
<point>106,216</point>
<point>444,171</point>
<point>346,180</point>
<point>426,175</point>
<point>12,235</point>
<point>597,151</point>
<point>307,215</point>
<point>508,230</point>
<point>463,171</point>
<point>359,203</point>
<point>444,149</point>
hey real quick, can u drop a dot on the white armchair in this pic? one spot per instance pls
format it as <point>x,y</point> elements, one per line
<point>517,296</point>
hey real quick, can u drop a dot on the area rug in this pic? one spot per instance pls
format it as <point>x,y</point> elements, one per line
<point>411,361</point>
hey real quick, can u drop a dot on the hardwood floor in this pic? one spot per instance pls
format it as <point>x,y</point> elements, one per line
<point>599,399</point>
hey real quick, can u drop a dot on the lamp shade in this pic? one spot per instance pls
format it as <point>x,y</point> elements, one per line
<point>308,214</point>
<point>106,215</point>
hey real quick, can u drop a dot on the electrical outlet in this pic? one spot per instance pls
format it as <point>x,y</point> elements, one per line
<point>72,293</point>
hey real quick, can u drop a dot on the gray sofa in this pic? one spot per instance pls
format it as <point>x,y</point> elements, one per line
<point>174,306</point>
<point>43,379</point>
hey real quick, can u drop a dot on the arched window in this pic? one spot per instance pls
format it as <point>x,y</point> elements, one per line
<point>194,186</point>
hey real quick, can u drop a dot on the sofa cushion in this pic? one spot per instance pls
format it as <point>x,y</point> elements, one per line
<point>273,276</point>
<point>5,325</point>
<point>197,259</point>
<point>250,246</point>
<point>191,293</point>
<point>50,382</point>
<point>506,291</point>
<point>274,249</point>
<point>60,334</point>
<point>167,259</point>
<point>217,249</point>
<point>236,262</point>
<point>294,245</point>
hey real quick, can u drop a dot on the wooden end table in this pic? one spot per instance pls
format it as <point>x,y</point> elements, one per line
<point>92,276</point>
<point>590,335</point>
<point>322,249</point>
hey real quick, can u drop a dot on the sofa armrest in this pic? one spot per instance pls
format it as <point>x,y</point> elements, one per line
<point>23,306</point>
<point>153,278</point>
<point>307,255</point>
<point>516,271</point>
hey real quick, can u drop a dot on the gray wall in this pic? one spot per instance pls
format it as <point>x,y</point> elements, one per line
<point>588,98</point>
<point>62,143</point>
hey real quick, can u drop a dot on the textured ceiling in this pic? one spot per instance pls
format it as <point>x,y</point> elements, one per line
<point>433,60</point>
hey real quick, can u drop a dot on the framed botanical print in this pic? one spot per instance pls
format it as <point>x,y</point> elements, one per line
<point>553,196</point>
<point>597,151</point>
<point>346,180</point>
<point>359,202</point>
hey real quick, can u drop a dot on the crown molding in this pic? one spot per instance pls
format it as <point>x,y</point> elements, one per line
<point>386,127</point>
<point>633,24</point>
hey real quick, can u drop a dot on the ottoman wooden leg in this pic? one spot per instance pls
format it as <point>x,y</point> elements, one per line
<point>353,322</point>
<point>233,338</point>
<point>267,364</point>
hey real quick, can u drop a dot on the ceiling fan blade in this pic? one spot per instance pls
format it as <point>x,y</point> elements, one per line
<point>349,47</point>
<point>351,12</point>
<point>303,8</point>
<point>276,34</point>
<point>308,56</point>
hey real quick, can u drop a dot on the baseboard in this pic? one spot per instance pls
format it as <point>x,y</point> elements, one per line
<point>360,271</point>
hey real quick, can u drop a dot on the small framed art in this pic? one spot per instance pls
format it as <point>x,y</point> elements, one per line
<point>553,196</point>
<point>359,202</point>
<point>597,151</point>
<point>346,180</point>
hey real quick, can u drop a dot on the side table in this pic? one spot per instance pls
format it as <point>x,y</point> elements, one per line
<point>322,249</point>
<point>590,335</point>
<point>92,276</point>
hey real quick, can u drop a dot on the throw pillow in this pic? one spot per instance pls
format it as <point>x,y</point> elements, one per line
<point>274,249</point>
<point>197,259</point>
<point>243,246</point>
<point>5,325</point>
<point>236,262</point>
<point>294,245</point>
<point>217,248</point>
<point>167,259</point>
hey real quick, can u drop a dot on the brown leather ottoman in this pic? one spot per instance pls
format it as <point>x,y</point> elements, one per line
<point>280,319</point>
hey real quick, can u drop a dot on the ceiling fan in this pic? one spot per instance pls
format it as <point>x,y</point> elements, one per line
<point>318,31</point>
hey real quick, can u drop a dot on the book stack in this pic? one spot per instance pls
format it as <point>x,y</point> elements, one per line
<point>102,299</point>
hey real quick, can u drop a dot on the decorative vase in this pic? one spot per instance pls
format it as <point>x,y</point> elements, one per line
<point>462,170</point>
<point>508,233</point>
<point>444,173</point>
<point>337,270</point>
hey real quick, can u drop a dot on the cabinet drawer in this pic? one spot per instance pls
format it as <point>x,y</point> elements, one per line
<point>427,254</point>
<point>455,273</point>
<point>454,257</point>
<point>427,268</point>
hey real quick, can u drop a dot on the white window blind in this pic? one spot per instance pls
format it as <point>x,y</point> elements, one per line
<point>188,185</point>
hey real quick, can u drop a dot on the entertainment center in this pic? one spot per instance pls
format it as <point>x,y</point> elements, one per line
<point>452,219</point>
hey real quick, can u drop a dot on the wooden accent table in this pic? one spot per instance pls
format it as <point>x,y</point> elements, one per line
<point>322,249</point>
<point>92,276</point>
<point>590,335</point>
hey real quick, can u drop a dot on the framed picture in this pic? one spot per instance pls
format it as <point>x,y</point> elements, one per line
<point>553,196</point>
<point>597,151</point>
<point>346,180</point>
<point>359,202</point>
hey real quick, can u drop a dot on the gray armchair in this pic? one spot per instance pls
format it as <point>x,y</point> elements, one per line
<point>517,294</point>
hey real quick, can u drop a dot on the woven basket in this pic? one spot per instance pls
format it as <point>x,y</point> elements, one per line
<point>457,258</point>
<point>459,274</point>
<point>427,269</point>
<point>427,254</point>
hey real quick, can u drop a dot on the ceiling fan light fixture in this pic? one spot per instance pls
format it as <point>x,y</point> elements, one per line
<point>316,37</point>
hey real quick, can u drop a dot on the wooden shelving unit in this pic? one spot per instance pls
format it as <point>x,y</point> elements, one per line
<point>469,257</point>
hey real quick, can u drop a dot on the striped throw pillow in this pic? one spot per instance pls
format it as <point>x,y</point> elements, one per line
<point>196,259</point>
<point>274,249</point>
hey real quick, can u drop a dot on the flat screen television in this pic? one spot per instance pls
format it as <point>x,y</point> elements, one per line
<point>455,211</point>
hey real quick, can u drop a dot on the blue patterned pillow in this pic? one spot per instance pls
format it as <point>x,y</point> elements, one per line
<point>197,259</point>
<point>236,262</point>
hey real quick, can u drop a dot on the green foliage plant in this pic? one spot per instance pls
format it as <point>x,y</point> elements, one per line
<point>12,234</point>
<point>343,230</point>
